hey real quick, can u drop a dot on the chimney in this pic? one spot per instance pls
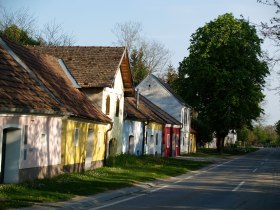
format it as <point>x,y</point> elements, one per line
<point>137,98</point>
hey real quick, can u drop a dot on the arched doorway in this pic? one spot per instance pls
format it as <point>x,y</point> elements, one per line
<point>131,144</point>
<point>152,145</point>
<point>112,146</point>
<point>10,155</point>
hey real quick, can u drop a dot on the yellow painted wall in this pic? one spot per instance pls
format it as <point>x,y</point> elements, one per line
<point>71,154</point>
<point>99,147</point>
<point>154,126</point>
<point>193,142</point>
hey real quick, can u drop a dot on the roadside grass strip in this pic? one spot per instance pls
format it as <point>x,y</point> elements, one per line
<point>121,171</point>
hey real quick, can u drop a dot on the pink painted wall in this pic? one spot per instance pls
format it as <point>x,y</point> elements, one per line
<point>43,145</point>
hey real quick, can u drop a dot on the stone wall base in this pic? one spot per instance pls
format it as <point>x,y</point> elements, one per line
<point>29,174</point>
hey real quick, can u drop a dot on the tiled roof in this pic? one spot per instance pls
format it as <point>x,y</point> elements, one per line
<point>47,69</point>
<point>142,113</point>
<point>131,110</point>
<point>92,66</point>
<point>146,111</point>
<point>19,92</point>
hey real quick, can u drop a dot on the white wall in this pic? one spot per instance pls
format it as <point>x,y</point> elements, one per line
<point>151,148</point>
<point>116,92</point>
<point>43,147</point>
<point>134,128</point>
<point>156,93</point>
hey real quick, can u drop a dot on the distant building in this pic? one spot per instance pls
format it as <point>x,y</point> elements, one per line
<point>159,93</point>
<point>148,129</point>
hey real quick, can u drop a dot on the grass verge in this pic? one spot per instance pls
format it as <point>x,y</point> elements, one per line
<point>228,151</point>
<point>122,170</point>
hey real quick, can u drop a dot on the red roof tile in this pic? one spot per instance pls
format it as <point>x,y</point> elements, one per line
<point>19,91</point>
<point>49,72</point>
<point>92,66</point>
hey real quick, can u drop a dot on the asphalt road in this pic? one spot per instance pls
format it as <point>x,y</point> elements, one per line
<point>247,182</point>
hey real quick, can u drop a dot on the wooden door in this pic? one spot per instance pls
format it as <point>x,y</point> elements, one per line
<point>10,155</point>
<point>131,145</point>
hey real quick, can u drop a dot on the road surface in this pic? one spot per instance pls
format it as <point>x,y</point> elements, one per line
<point>246,182</point>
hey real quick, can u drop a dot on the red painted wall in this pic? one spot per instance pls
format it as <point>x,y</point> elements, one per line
<point>171,141</point>
<point>176,132</point>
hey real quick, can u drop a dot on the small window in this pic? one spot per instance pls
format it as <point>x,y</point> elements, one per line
<point>25,134</point>
<point>117,107</point>
<point>146,138</point>
<point>157,139</point>
<point>24,154</point>
<point>76,137</point>
<point>107,105</point>
<point>177,140</point>
<point>130,144</point>
<point>99,139</point>
<point>168,140</point>
<point>43,138</point>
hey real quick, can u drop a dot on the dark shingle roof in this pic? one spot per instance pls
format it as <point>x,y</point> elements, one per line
<point>48,71</point>
<point>93,66</point>
<point>146,111</point>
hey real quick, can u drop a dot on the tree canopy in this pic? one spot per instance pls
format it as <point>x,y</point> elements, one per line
<point>138,68</point>
<point>18,35</point>
<point>224,74</point>
<point>277,128</point>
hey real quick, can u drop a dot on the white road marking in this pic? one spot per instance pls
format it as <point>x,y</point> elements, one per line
<point>160,188</point>
<point>117,202</point>
<point>189,177</point>
<point>255,170</point>
<point>238,186</point>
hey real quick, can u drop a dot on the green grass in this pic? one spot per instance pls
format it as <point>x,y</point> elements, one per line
<point>228,151</point>
<point>122,170</point>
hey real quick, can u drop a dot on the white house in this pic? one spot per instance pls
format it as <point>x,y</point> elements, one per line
<point>142,132</point>
<point>103,75</point>
<point>159,93</point>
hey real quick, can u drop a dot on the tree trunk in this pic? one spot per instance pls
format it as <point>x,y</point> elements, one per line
<point>220,142</point>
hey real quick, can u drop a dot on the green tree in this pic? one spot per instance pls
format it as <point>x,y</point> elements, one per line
<point>260,134</point>
<point>265,135</point>
<point>223,76</point>
<point>204,134</point>
<point>277,128</point>
<point>18,35</point>
<point>171,75</point>
<point>243,134</point>
<point>138,68</point>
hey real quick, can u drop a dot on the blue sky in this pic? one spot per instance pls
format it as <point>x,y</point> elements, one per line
<point>169,21</point>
